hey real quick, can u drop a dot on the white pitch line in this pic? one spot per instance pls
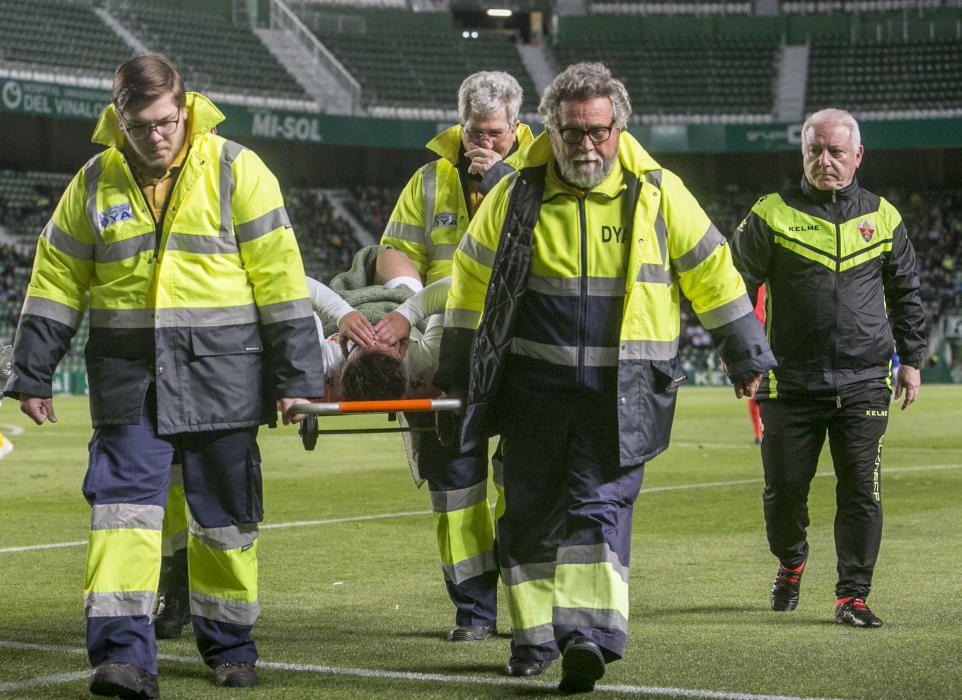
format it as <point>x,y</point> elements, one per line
<point>407,514</point>
<point>56,679</point>
<point>335,521</point>
<point>32,547</point>
<point>404,676</point>
<point>11,429</point>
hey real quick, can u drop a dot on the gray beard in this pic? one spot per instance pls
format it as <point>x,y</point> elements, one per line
<point>573,175</point>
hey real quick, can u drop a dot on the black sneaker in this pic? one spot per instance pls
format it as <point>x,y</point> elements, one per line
<point>234,674</point>
<point>785,588</point>
<point>582,665</point>
<point>173,612</point>
<point>123,681</point>
<point>855,612</point>
<point>472,633</point>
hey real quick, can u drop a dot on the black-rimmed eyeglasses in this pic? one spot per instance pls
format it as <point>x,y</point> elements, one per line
<point>164,127</point>
<point>597,134</point>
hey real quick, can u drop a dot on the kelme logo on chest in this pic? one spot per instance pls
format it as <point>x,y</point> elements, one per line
<point>114,215</point>
<point>614,234</point>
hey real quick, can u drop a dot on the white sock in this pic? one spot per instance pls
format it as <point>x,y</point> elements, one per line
<point>412,283</point>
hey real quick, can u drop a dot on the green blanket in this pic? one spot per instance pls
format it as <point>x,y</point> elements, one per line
<point>372,300</point>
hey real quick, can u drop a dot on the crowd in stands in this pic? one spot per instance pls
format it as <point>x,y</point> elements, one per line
<point>935,224</point>
<point>372,206</point>
<point>327,242</point>
<point>933,219</point>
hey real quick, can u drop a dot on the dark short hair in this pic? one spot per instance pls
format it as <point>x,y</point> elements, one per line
<point>147,77</point>
<point>372,375</point>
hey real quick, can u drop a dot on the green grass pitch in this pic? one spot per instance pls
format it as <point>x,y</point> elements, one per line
<point>356,608</point>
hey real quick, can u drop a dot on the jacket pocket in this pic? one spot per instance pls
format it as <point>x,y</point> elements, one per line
<point>647,407</point>
<point>117,389</point>
<point>225,340</point>
<point>223,376</point>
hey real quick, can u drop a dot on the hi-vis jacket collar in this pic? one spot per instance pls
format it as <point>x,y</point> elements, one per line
<point>850,191</point>
<point>202,116</point>
<point>447,144</point>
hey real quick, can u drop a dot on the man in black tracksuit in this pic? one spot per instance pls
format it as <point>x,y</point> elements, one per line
<point>842,295</point>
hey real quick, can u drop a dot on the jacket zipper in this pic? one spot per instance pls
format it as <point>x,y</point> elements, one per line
<point>583,292</point>
<point>838,275</point>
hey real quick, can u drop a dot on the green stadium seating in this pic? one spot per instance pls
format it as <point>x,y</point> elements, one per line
<point>422,69</point>
<point>886,77</point>
<point>695,76</point>
<point>212,52</point>
<point>57,34</point>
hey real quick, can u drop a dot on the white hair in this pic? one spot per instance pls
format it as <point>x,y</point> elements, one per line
<point>832,116</point>
<point>584,81</point>
<point>485,93</point>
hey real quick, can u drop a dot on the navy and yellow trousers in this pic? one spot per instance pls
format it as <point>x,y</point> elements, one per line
<point>464,528</point>
<point>127,485</point>
<point>564,533</point>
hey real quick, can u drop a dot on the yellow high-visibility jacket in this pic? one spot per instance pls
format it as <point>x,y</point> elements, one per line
<point>432,212</point>
<point>521,241</point>
<point>210,304</point>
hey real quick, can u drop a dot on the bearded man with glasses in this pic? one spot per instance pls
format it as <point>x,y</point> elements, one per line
<point>200,331</point>
<point>561,334</point>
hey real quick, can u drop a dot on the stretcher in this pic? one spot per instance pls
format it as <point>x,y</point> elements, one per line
<point>309,429</point>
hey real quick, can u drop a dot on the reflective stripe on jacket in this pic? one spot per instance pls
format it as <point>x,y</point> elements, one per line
<point>210,304</point>
<point>673,248</point>
<point>432,213</point>
<point>838,268</point>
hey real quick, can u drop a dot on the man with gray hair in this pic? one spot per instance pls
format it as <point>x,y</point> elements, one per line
<point>428,221</point>
<point>561,330</point>
<point>841,293</point>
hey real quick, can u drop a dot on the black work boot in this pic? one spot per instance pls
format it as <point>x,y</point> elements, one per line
<point>124,681</point>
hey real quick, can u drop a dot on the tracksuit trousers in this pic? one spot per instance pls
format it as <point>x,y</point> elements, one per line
<point>564,536</point>
<point>127,485</point>
<point>795,431</point>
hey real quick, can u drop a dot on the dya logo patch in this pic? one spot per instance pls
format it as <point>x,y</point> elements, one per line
<point>445,219</point>
<point>116,214</point>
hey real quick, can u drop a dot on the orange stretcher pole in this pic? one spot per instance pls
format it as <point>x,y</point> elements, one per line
<point>341,408</point>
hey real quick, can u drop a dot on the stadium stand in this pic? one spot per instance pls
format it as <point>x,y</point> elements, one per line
<point>919,78</point>
<point>719,77</point>
<point>829,6</point>
<point>58,34</point>
<point>372,206</point>
<point>408,65</point>
<point>327,242</point>
<point>213,52</point>
<point>668,7</point>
